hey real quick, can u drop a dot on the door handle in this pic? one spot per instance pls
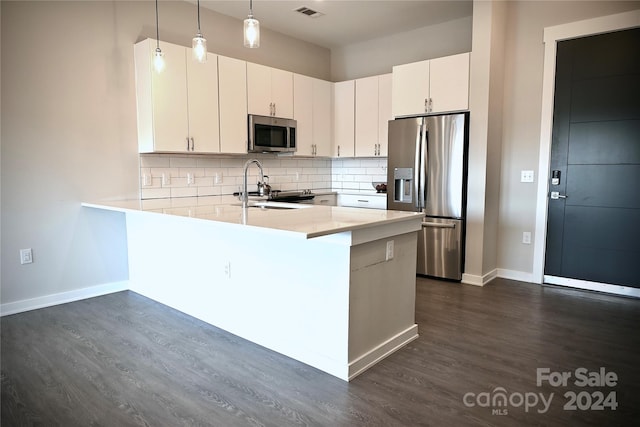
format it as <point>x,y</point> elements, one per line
<point>555,195</point>
<point>439,224</point>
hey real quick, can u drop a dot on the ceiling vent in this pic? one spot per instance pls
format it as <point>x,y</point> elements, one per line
<point>309,12</point>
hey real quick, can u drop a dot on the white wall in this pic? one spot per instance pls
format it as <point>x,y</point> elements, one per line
<point>379,55</point>
<point>523,66</point>
<point>69,128</point>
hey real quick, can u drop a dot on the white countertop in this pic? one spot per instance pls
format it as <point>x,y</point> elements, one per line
<point>308,220</point>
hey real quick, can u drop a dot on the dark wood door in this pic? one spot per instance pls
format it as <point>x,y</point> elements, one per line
<point>594,233</point>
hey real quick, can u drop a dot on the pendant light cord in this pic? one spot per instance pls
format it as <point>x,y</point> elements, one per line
<point>251,7</point>
<point>157,28</point>
<point>198,16</point>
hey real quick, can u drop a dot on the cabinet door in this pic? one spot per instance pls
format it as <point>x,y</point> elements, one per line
<point>449,86</point>
<point>282,93</point>
<point>161,99</point>
<point>259,89</point>
<point>232,76</point>
<point>384,113</point>
<point>410,88</point>
<point>303,113</point>
<point>202,89</point>
<point>344,119</point>
<point>322,119</point>
<point>366,126</point>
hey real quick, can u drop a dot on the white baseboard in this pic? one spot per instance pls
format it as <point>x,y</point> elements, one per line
<point>62,297</point>
<point>472,279</point>
<point>520,276</point>
<point>593,286</point>
<point>372,357</point>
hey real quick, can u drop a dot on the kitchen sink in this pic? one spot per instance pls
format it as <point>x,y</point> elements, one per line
<point>274,205</point>
<point>278,205</point>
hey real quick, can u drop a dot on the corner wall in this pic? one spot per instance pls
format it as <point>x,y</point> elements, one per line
<point>69,129</point>
<point>523,72</point>
<point>378,56</point>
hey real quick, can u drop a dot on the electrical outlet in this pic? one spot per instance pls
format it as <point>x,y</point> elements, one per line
<point>227,269</point>
<point>389,254</point>
<point>217,178</point>
<point>146,179</point>
<point>190,179</point>
<point>26,256</point>
<point>166,179</point>
<point>526,237</point>
<point>526,176</point>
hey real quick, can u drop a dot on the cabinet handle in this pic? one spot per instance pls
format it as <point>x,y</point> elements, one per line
<point>193,144</point>
<point>426,105</point>
<point>362,201</point>
<point>338,151</point>
<point>187,143</point>
<point>430,105</point>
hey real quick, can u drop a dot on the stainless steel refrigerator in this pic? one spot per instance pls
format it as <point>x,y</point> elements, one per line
<point>427,172</point>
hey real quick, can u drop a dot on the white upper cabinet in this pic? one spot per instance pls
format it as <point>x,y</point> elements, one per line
<point>232,75</point>
<point>373,111</point>
<point>322,118</point>
<point>202,97</point>
<point>344,119</point>
<point>177,108</point>
<point>432,86</point>
<point>384,113</point>
<point>303,113</point>
<point>366,126</point>
<point>270,91</point>
<point>312,111</point>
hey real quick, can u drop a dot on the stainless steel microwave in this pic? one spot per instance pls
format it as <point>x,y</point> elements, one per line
<point>271,134</point>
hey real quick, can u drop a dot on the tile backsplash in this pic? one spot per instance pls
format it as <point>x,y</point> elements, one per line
<point>174,175</point>
<point>358,174</point>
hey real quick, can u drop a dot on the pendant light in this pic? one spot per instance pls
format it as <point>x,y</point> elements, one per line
<point>251,29</point>
<point>199,44</point>
<point>158,58</point>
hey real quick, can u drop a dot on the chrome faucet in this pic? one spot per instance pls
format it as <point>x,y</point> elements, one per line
<point>245,194</point>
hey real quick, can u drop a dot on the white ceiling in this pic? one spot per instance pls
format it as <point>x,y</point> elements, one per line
<point>344,21</point>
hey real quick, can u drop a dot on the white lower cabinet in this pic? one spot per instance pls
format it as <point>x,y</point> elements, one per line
<point>369,201</point>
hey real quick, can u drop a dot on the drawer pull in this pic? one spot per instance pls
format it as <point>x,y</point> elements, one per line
<point>439,224</point>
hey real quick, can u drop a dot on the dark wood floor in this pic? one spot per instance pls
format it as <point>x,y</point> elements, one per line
<point>124,360</point>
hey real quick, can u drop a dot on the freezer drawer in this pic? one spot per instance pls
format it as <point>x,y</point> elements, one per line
<point>440,248</point>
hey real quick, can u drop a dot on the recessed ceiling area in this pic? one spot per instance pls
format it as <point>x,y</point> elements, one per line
<point>344,22</point>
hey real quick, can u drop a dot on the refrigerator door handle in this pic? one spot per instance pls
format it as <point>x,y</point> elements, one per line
<point>416,170</point>
<point>439,224</point>
<point>424,164</point>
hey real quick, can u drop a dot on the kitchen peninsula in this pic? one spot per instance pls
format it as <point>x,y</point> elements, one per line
<point>332,287</point>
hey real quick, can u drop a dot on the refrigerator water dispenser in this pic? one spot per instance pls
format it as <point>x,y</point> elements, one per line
<point>403,180</point>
